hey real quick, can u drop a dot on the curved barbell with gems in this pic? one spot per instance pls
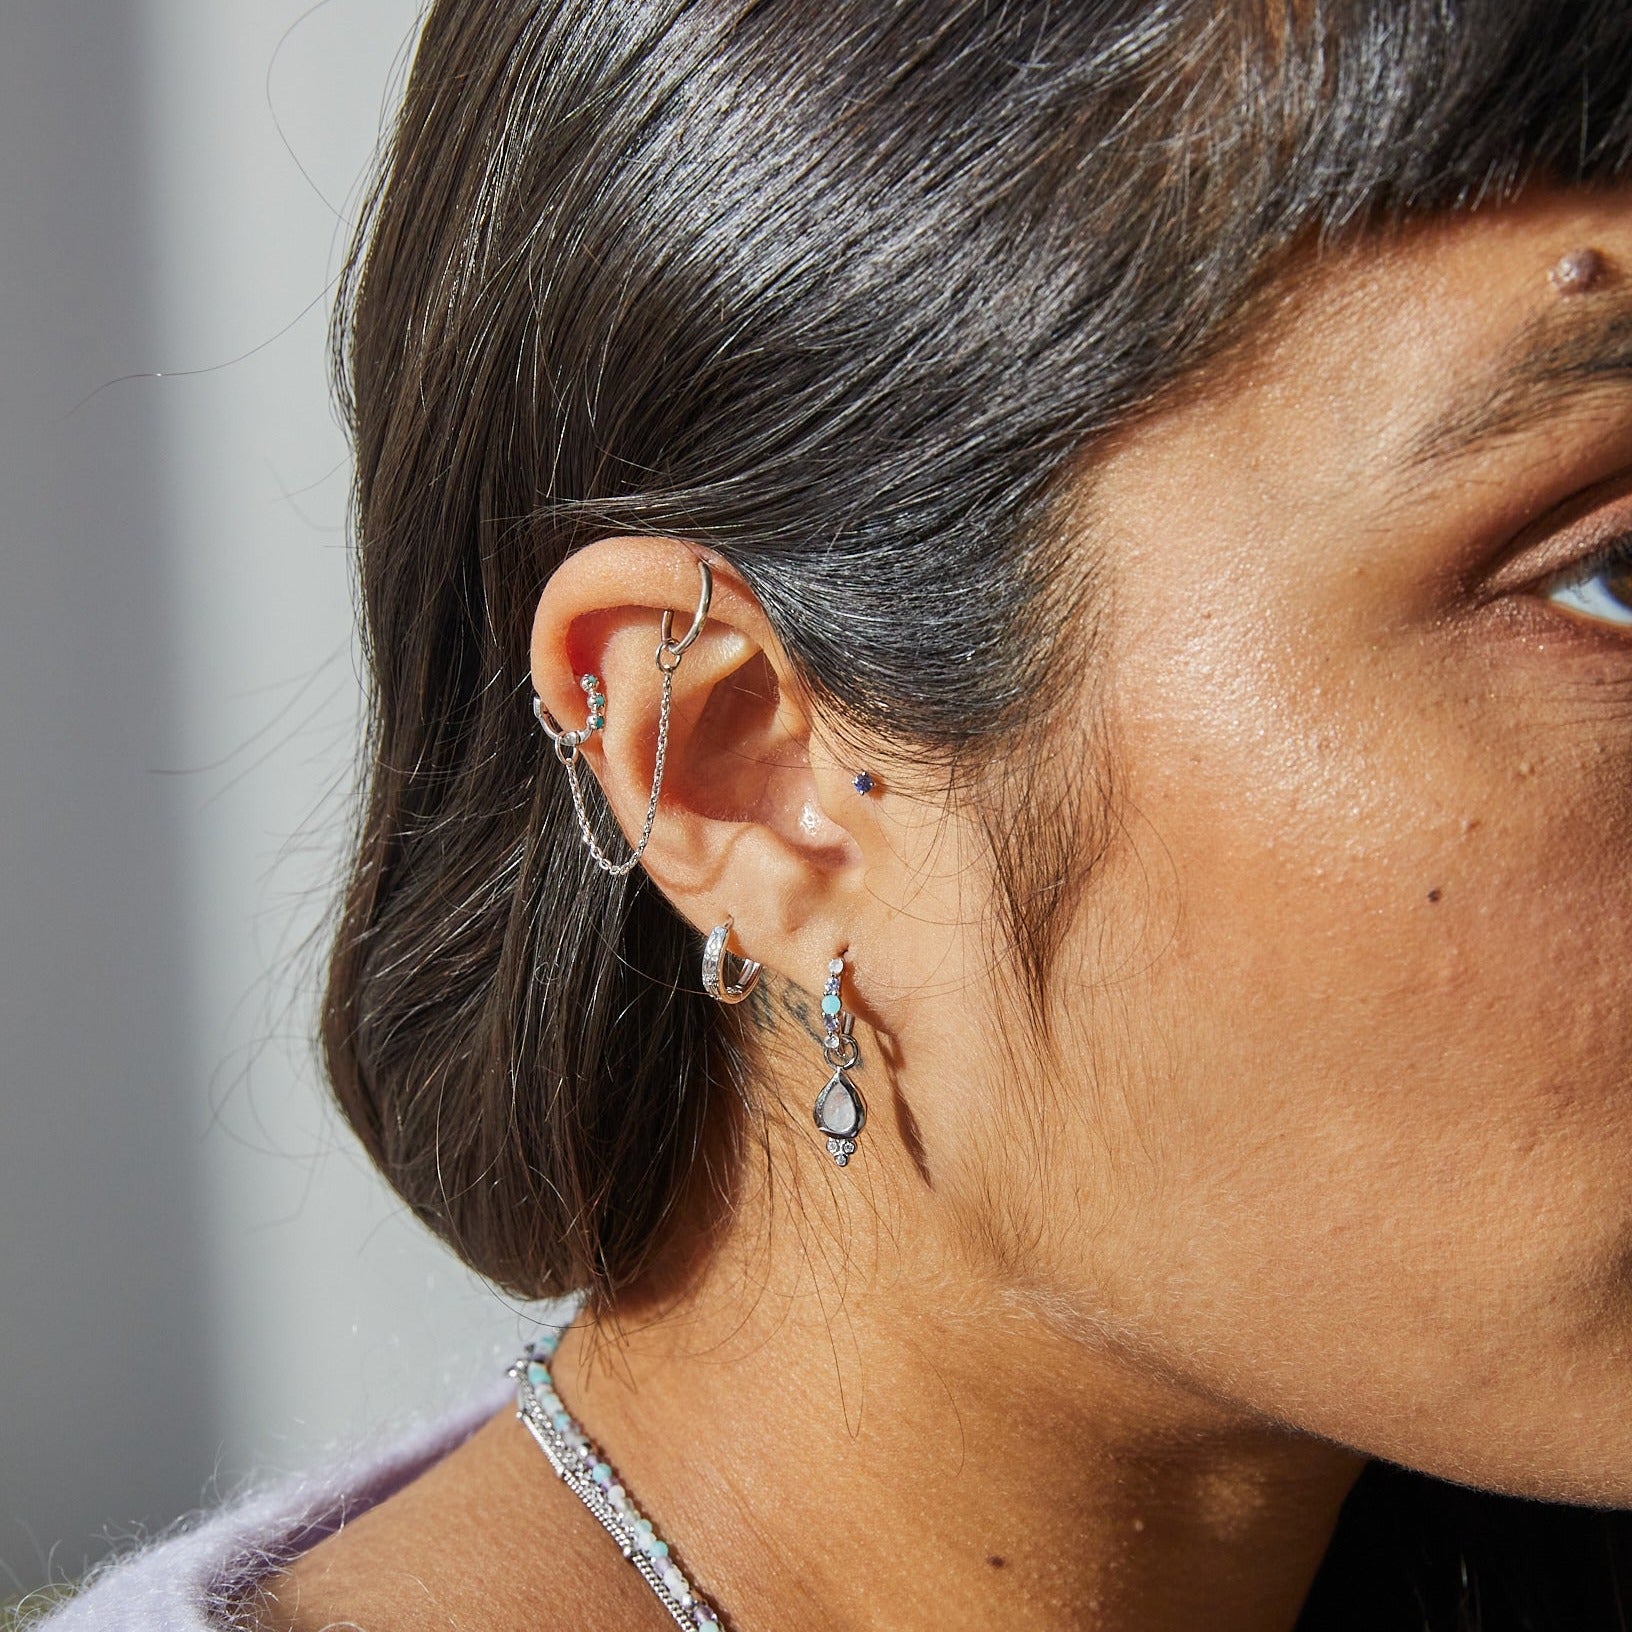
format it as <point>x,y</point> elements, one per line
<point>567,743</point>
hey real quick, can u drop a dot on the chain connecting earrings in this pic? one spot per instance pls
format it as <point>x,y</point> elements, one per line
<point>839,1111</point>
<point>567,743</point>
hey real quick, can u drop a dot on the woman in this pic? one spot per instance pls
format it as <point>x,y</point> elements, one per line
<point>1076,1047</point>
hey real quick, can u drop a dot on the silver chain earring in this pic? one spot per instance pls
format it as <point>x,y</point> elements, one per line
<point>714,956</point>
<point>567,743</point>
<point>840,1112</point>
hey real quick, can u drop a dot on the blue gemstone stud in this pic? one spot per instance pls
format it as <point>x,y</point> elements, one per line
<point>863,782</point>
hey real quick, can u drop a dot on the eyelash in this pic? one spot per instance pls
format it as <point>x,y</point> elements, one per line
<point>1617,553</point>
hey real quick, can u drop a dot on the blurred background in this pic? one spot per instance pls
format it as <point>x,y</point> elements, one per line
<point>200,1277</point>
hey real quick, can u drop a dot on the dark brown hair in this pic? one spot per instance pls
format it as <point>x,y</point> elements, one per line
<point>848,293</point>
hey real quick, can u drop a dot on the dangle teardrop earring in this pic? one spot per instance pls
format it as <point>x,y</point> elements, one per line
<point>839,1111</point>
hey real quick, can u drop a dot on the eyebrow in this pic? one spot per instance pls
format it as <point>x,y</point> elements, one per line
<point>1582,343</point>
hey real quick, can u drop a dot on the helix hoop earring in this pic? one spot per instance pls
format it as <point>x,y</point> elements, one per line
<point>840,1111</point>
<point>714,956</point>
<point>567,743</point>
<point>565,740</point>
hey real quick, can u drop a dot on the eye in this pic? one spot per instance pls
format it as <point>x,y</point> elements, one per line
<point>1600,589</point>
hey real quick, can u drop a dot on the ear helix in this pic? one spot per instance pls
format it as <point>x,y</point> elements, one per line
<point>567,743</point>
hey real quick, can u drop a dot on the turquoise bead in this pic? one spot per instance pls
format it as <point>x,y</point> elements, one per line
<point>830,1005</point>
<point>537,1375</point>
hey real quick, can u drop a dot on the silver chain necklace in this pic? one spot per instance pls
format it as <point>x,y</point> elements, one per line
<point>589,1476</point>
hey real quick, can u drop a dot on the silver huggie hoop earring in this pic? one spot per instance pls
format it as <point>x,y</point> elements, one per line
<point>567,743</point>
<point>840,1112</point>
<point>714,955</point>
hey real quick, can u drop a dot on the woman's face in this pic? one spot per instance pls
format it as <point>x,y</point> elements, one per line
<point>1343,1126</point>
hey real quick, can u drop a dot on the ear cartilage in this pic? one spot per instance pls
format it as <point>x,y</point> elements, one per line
<point>667,658</point>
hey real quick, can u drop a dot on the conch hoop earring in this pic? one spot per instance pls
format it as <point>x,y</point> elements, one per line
<point>714,956</point>
<point>567,743</point>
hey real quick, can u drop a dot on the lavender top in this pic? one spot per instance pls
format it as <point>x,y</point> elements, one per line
<point>190,1578</point>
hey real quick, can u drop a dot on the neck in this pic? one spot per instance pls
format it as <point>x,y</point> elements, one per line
<point>833,1432</point>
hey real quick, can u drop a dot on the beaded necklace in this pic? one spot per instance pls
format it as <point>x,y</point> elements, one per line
<point>588,1475</point>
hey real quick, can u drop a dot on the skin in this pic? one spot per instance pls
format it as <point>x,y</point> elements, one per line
<point>1332,1154</point>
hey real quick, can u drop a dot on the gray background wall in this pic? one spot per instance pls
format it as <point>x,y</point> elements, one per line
<point>198,1274</point>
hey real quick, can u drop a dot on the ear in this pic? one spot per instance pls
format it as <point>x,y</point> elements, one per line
<point>755,819</point>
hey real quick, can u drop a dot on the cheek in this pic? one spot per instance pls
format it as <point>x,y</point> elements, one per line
<point>1376,1058</point>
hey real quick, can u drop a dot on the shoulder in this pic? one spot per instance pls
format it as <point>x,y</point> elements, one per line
<point>486,1539</point>
<point>202,1573</point>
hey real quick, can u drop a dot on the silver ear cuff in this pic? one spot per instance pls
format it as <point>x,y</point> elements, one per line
<point>567,743</point>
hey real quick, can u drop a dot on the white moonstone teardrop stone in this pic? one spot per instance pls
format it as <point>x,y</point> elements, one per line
<point>838,1110</point>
